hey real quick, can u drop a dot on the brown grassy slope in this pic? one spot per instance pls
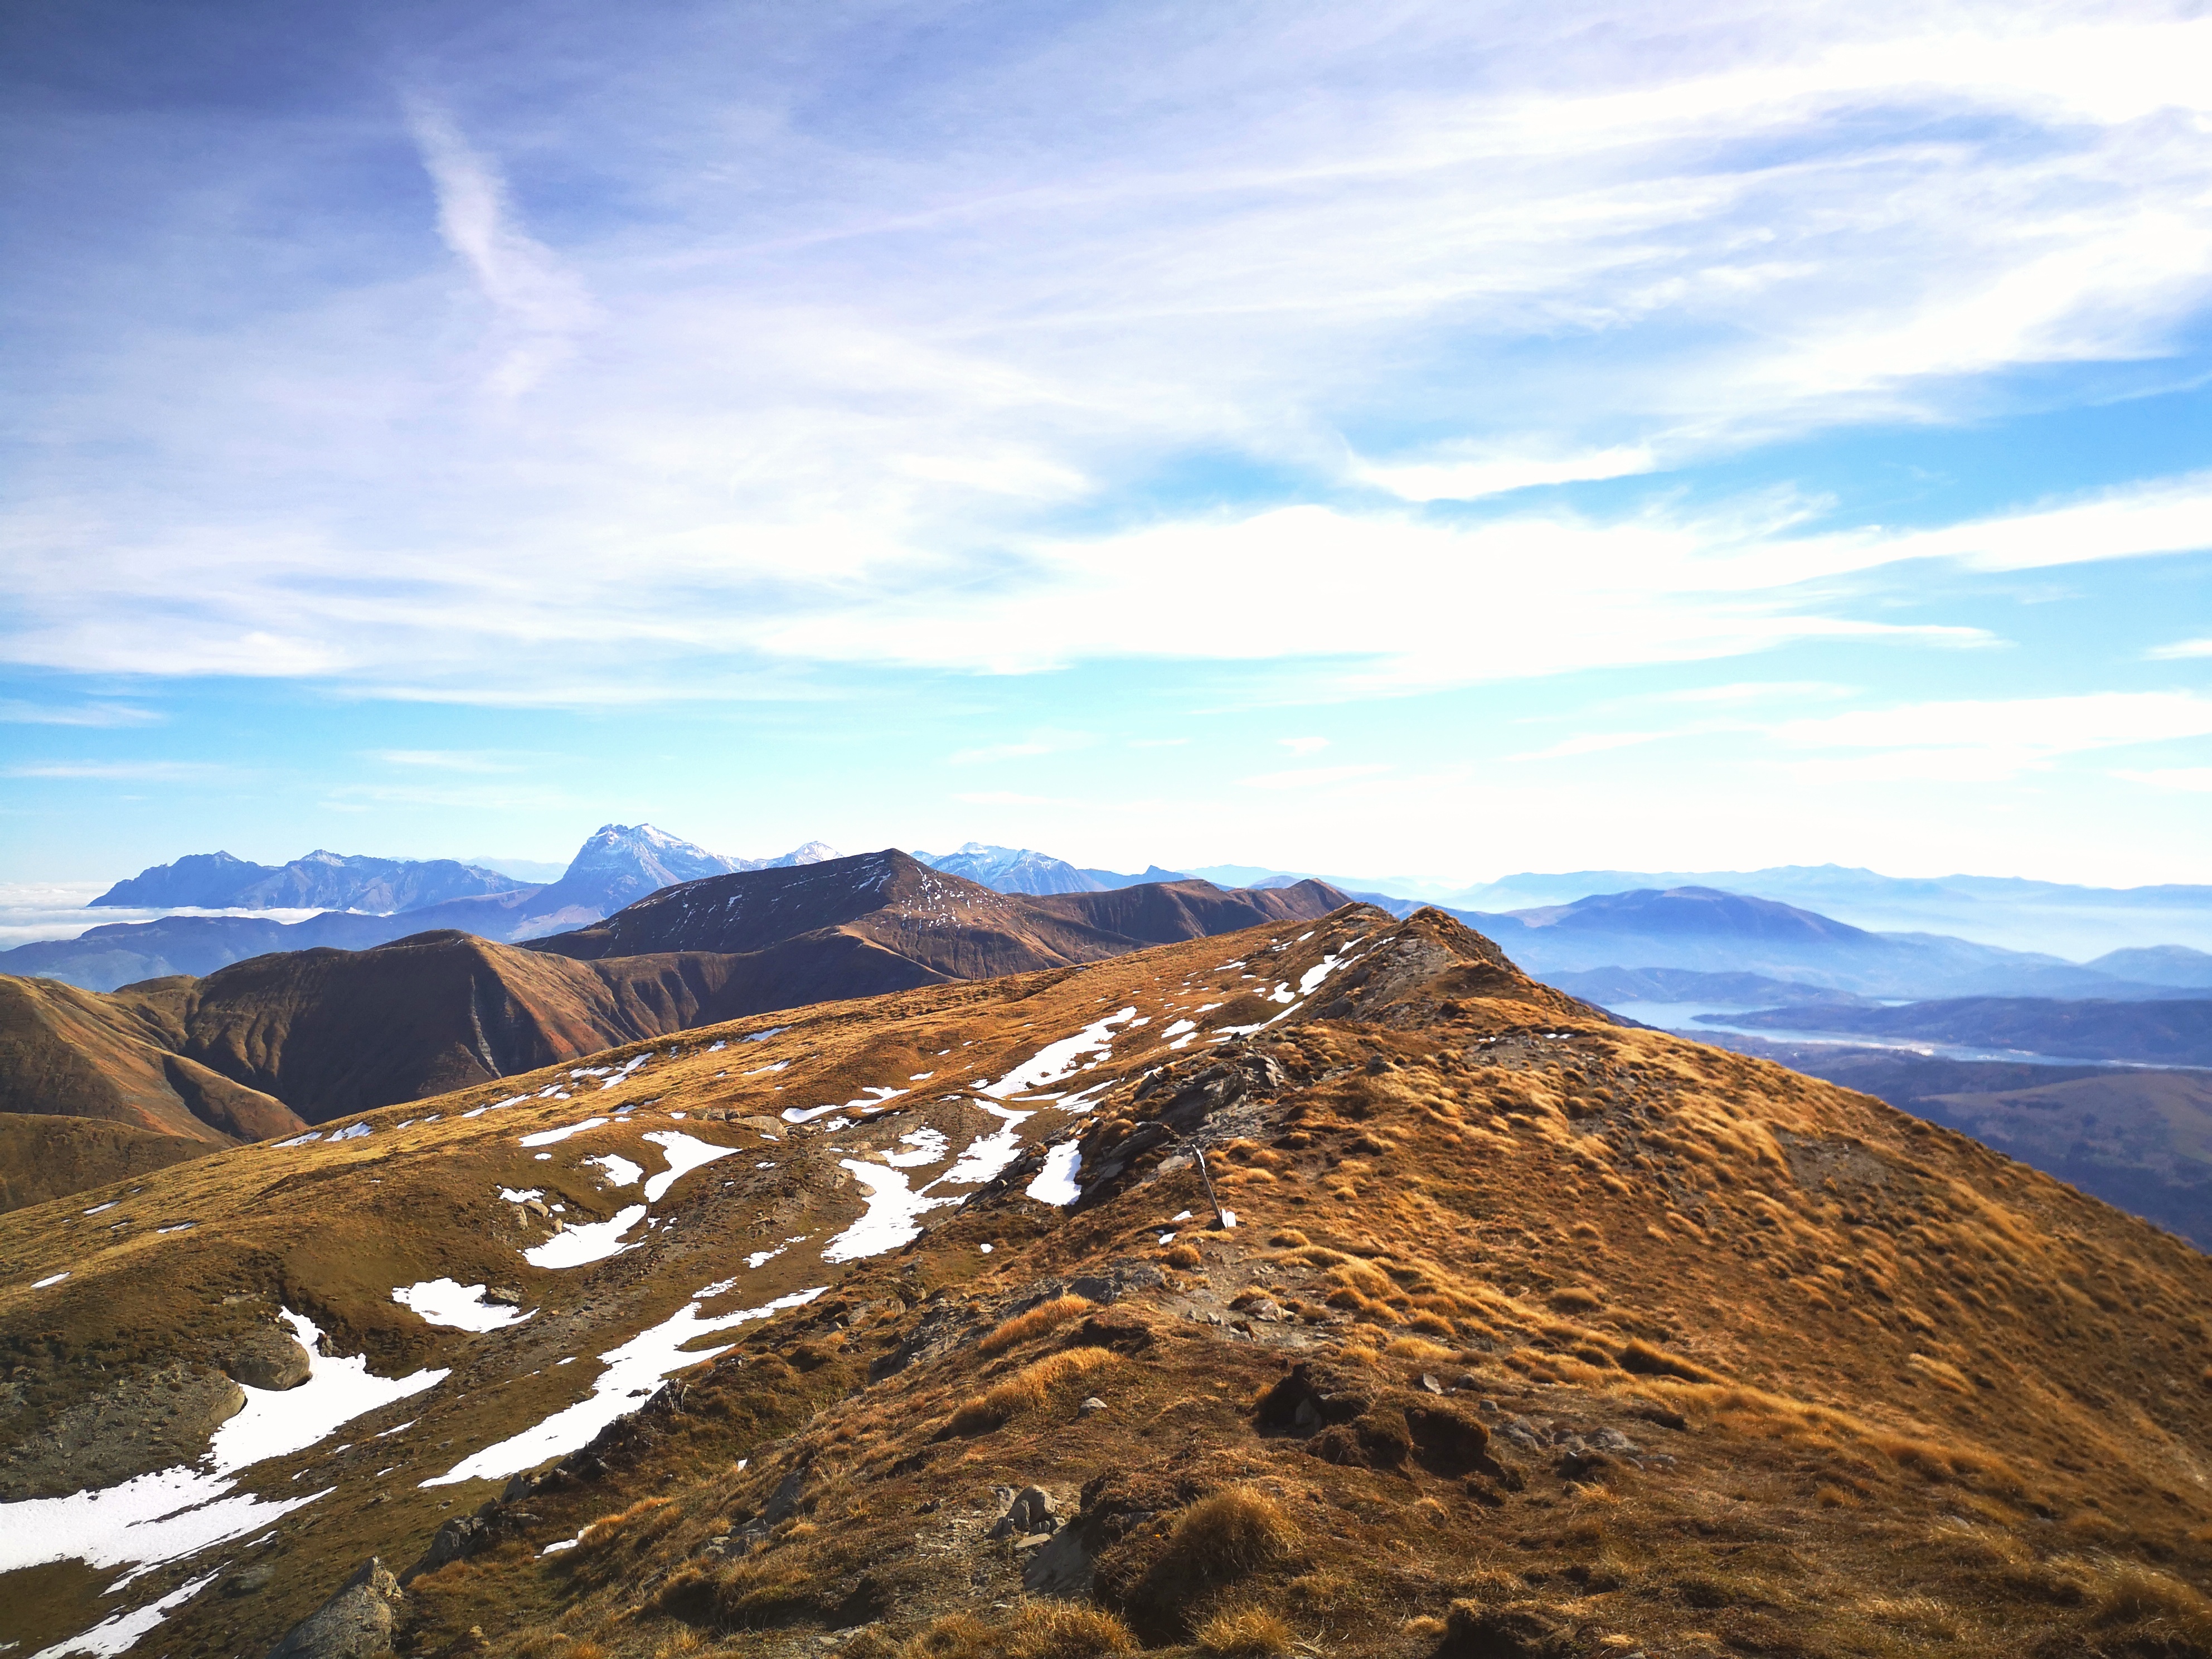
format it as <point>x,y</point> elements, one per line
<point>44,1157</point>
<point>1795,1375</point>
<point>337,1031</point>
<point>1731,1360</point>
<point>68,1053</point>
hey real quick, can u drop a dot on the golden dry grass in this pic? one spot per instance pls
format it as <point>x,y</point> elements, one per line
<point>1045,1317</point>
<point>1027,1389</point>
<point>1251,1633</point>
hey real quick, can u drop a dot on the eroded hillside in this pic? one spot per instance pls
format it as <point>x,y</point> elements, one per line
<point>1532,1335</point>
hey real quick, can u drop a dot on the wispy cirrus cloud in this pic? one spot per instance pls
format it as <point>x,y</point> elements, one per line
<point>539,304</point>
<point>16,711</point>
<point>788,374</point>
<point>126,771</point>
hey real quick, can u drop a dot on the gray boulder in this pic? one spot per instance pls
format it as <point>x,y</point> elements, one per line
<point>354,1624</point>
<point>267,1356</point>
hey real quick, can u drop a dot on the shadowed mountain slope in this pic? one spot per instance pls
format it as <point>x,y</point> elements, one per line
<point>1534,1335</point>
<point>68,1053</point>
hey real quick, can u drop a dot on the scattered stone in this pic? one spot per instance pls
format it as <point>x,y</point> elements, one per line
<point>456,1540</point>
<point>251,1581</point>
<point>506,1295</point>
<point>1093,1404</point>
<point>1431,1384</point>
<point>354,1624</point>
<point>1030,1515</point>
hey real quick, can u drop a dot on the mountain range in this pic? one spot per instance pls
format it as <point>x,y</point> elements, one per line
<point>371,902</point>
<point>1329,1286</point>
<point>236,1055</point>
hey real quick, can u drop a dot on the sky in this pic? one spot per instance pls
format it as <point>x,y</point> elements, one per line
<point>1437,440</point>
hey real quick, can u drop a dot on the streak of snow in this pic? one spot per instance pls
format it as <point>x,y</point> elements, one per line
<point>685,1153</point>
<point>1055,1182</point>
<point>862,1104</point>
<point>929,1146</point>
<point>621,1172</point>
<point>120,1633</point>
<point>761,1258</point>
<point>462,1306</point>
<point>548,1137</point>
<point>50,1278</point>
<point>595,1241</point>
<point>1057,1059</point>
<point>164,1516</point>
<point>633,1371</point>
<point>892,1218</point>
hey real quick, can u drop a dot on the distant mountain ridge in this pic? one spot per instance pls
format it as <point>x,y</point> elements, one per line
<point>2012,912</point>
<point>321,881</point>
<point>1710,931</point>
<point>325,1031</point>
<point>617,864</point>
<point>1024,869</point>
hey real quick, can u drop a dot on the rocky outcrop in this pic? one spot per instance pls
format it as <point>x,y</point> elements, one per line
<point>357,1623</point>
<point>152,1421</point>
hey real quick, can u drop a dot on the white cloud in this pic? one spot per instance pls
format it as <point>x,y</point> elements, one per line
<point>1444,478</point>
<point>2180,650</point>
<point>17,712</point>
<point>1303,746</point>
<point>811,384</point>
<point>540,303</point>
<point>2191,779</point>
<point>145,771</point>
<point>1985,741</point>
<point>447,760</point>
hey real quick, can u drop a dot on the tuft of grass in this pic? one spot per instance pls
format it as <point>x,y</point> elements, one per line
<point>1045,1317</point>
<point>1234,1532</point>
<point>1249,1634</point>
<point>1037,1630</point>
<point>607,1528</point>
<point>1645,1360</point>
<point>1183,1255</point>
<point>1028,1388</point>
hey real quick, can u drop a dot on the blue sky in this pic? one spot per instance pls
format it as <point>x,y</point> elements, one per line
<point>1436,439</point>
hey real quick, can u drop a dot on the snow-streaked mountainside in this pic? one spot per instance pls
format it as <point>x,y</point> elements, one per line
<point>1484,1326</point>
<point>321,881</point>
<point>1014,870</point>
